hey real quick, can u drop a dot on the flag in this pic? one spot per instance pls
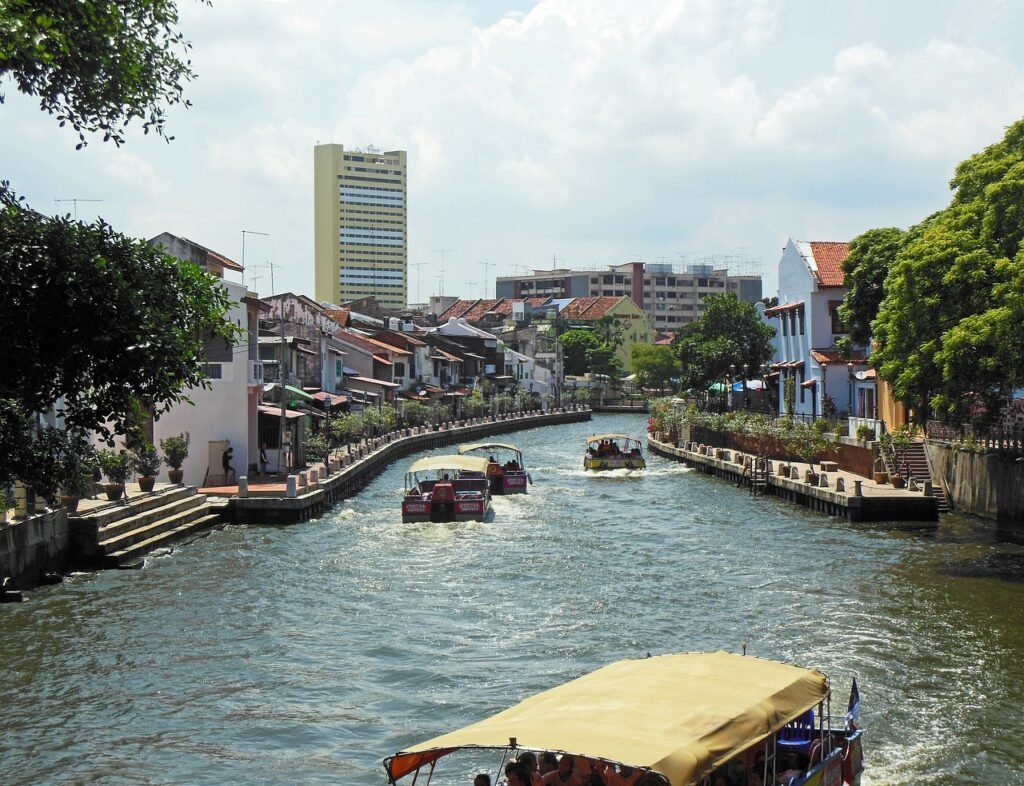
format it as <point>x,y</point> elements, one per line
<point>853,710</point>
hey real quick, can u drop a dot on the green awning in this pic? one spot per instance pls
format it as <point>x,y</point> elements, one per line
<point>300,393</point>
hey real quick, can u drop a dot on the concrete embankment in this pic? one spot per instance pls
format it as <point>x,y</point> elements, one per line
<point>830,491</point>
<point>322,490</point>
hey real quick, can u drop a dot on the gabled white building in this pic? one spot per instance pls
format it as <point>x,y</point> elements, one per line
<point>226,411</point>
<point>809,329</point>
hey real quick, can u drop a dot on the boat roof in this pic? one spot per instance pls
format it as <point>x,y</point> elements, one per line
<point>599,437</point>
<point>679,715</point>
<point>487,446</point>
<point>468,463</point>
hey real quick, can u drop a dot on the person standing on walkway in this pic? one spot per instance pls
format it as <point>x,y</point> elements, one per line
<point>263,458</point>
<point>225,460</point>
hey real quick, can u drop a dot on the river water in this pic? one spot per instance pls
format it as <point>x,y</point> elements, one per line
<point>305,654</point>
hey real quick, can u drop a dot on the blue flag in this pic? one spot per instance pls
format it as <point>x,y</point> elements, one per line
<point>854,708</point>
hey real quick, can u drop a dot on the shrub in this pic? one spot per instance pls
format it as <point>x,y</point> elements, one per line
<point>865,433</point>
<point>175,449</point>
<point>116,465</point>
<point>147,460</point>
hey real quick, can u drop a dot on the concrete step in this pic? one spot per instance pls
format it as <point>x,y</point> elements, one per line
<point>132,531</point>
<point>116,511</point>
<point>132,555</point>
<point>147,516</point>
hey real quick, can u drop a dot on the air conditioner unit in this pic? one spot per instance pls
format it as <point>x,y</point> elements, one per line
<point>255,372</point>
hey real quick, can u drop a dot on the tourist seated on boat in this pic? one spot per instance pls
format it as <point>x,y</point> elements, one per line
<point>572,771</point>
<point>483,779</point>
<point>529,761</point>
<point>635,452</point>
<point>547,763</point>
<point>517,775</point>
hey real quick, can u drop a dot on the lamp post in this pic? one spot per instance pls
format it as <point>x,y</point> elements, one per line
<point>849,373</point>
<point>732,376</point>
<point>746,393</point>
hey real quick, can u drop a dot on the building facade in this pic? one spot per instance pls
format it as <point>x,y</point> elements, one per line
<point>671,297</point>
<point>360,225</point>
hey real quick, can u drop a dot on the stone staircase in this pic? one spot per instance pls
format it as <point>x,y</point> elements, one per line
<point>121,535</point>
<point>917,463</point>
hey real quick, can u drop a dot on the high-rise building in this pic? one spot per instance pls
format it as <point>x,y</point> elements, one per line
<point>360,225</point>
<point>671,297</point>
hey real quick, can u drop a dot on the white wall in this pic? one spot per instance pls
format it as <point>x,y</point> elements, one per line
<point>218,413</point>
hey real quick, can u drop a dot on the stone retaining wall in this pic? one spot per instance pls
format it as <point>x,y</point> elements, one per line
<point>988,485</point>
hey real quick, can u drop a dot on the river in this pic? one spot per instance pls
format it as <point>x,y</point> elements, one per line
<point>305,654</point>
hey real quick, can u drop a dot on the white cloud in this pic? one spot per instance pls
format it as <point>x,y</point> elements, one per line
<point>595,131</point>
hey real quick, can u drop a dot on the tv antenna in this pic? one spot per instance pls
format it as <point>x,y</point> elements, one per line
<point>75,201</point>
<point>442,252</point>
<point>250,232</point>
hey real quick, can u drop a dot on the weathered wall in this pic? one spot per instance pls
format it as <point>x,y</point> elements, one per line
<point>850,457</point>
<point>985,485</point>
<point>33,546</point>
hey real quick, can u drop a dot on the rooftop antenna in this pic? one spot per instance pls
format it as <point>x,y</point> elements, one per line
<point>419,278</point>
<point>487,266</point>
<point>250,232</point>
<point>442,252</point>
<point>268,265</point>
<point>75,202</point>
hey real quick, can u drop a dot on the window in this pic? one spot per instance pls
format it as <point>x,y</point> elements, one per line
<point>399,370</point>
<point>784,319</point>
<point>838,326</point>
<point>801,385</point>
<point>800,314</point>
<point>214,371</point>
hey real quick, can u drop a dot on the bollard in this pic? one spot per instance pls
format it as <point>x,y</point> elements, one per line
<point>823,480</point>
<point>840,484</point>
<point>243,486</point>
<point>303,479</point>
<point>292,490</point>
<point>928,491</point>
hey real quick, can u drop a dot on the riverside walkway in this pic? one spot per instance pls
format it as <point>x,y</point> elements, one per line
<point>835,492</point>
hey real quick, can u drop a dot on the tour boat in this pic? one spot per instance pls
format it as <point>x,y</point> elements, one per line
<point>697,719</point>
<point>505,469</point>
<point>446,488</point>
<point>613,451</point>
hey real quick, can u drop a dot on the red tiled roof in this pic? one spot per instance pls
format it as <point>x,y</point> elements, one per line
<point>479,309</point>
<point>835,357</point>
<point>371,344</point>
<point>537,301</point>
<point>341,316</point>
<point>590,308</point>
<point>829,260</point>
<point>456,309</point>
<point>783,309</point>
<point>230,264</point>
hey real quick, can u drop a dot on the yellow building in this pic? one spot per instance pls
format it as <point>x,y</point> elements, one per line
<point>636,325</point>
<point>360,225</point>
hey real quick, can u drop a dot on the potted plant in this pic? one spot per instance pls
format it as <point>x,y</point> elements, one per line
<point>117,466</point>
<point>147,464</point>
<point>6,502</point>
<point>175,452</point>
<point>865,433</point>
<point>319,449</point>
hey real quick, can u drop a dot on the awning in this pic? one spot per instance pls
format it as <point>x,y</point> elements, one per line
<point>442,355</point>
<point>783,309</point>
<point>372,381</point>
<point>275,412</point>
<point>468,463</point>
<point>809,383</point>
<point>678,715</point>
<point>385,361</point>
<point>336,401</point>
<point>300,393</point>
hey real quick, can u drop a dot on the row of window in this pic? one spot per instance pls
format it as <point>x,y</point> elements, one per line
<point>351,178</point>
<point>351,217</point>
<point>356,254</point>
<point>399,172</point>
<point>372,160</point>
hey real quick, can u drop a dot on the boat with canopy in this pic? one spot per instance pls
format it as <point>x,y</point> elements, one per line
<point>613,451</point>
<point>696,719</point>
<point>446,488</point>
<point>505,470</point>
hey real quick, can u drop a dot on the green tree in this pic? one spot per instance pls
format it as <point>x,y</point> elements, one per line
<point>575,345</point>
<point>951,325</point>
<point>602,360</point>
<point>97,65</point>
<point>609,331</point>
<point>655,365</point>
<point>96,322</point>
<point>730,333</point>
<point>865,268</point>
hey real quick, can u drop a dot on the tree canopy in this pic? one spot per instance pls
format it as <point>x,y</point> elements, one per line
<point>865,268</point>
<point>97,64</point>
<point>730,333</point>
<point>950,327</point>
<point>96,322</point>
<point>575,345</point>
<point>655,365</point>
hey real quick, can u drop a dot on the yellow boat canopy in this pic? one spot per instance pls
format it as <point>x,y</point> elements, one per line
<point>467,463</point>
<point>614,437</point>
<point>487,446</point>
<point>679,715</point>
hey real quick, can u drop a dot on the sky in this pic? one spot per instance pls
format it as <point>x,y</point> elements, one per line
<point>564,133</point>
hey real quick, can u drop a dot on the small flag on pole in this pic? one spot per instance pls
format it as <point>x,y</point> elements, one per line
<point>854,708</point>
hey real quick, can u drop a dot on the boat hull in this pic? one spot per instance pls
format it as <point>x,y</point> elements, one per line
<point>457,510</point>
<point>614,462</point>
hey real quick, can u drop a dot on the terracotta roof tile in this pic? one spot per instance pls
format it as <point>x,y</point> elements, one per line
<point>456,309</point>
<point>828,257</point>
<point>479,309</point>
<point>340,316</point>
<point>835,357</point>
<point>590,308</point>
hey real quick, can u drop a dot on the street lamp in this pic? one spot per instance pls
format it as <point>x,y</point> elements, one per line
<point>746,394</point>
<point>849,373</point>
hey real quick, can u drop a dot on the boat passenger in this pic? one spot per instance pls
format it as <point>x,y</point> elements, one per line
<point>547,763</point>
<point>529,761</point>
<point>483,779</point>
<point>516,774</point>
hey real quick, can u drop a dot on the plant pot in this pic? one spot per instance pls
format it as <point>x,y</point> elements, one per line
<point>897,481</point>
<point>146,483</point>
<point>114,491</point>
<point>175,475</point>
<point>880,477</point>
<point>69,502</point>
